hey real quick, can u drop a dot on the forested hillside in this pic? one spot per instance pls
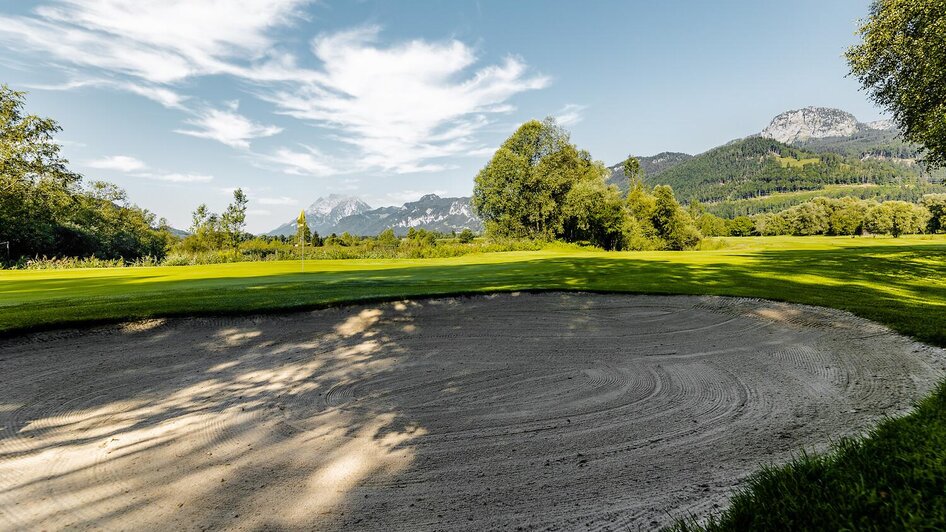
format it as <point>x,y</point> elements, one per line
<point>756,166</point>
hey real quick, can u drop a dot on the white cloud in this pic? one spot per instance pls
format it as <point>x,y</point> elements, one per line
<point>570,115</point>
<point>174,177</point>
<point>121,163</point>
<point>138,168</point>
<point>258,212</point>
<point>406,104</point>
<point>165,97</point>
<point>307,161</point>
<point>228,127</point>
<point>400,107</point>
<point>160,42</point>
<point>281,200</point>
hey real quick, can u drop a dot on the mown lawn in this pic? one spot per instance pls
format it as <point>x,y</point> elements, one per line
<point>900,282</point>
<point>894,479</point>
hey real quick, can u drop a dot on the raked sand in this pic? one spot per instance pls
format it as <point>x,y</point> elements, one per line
<point>541,411</point>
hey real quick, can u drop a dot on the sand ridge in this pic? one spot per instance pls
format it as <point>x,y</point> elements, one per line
<point>541,411</point>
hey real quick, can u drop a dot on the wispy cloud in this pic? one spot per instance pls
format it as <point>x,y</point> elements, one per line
<point>304,161</point>
<point>281,200</point>
<point>400,107</point>
<point>138,168</point>
<point>228,127</point>
<point>121,163</point>
<point>405,104</point>
<point>570,114</point>
<point>174,177</point>
<point>158,42</point>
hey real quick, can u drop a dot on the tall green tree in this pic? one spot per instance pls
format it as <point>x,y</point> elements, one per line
<point>36,187</point>
<point>671,221</point>
<point>632,170</point>
<point>44,209</point>
<point>936,205</point>
<point>521,191</point>
<point>595,212</point>
<point>233,220</point>
<point>901,62</point>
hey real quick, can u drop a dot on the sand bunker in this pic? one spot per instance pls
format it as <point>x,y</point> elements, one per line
<point>542,411</point>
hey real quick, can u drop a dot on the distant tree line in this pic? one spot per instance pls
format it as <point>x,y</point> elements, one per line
<point>46,211</point>
<point>833,216</point>
<point>538,185</point>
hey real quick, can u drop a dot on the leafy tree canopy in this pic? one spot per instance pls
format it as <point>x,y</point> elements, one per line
<point>901,62</point>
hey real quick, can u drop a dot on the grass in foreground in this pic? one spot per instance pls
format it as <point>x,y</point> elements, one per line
<point>893,479</point>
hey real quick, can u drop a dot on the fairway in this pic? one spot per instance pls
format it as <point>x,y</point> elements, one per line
<point>550,410</point>
<point>900,282</point>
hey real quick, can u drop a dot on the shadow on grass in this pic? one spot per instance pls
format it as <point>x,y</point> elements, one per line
<point>903,287</point>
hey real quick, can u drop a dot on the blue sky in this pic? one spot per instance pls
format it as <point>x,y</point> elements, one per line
<point>180,101</point>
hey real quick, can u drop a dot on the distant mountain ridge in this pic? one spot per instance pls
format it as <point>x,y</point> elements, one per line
<point>430,212</point>
<point>802,150</point>
<point>324,213</point>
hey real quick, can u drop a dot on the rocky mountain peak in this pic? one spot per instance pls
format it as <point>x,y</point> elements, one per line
<point>811,123</point>
<point>324,206</point>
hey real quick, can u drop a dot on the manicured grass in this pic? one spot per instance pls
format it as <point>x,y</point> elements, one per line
<point>894,479</point>
<point>900,282</point>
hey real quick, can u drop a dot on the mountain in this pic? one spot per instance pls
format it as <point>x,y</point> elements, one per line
<point>800,154</point>
<point>431,212</point>
<point>758,166</point>
<point>324,213</point>
<point>811,123</point>
<point>822,129</point>
<point>651,166</point>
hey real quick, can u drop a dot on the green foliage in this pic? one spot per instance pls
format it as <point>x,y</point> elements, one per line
<point>520,192</point>
<point>596,213</point>
<point>387,239</point>
<point>936,205</point>
<point>632,170</point>
<point>539,185</point>
<point>671,222</point>
<point>211,232</point>
<point>758,167</point>
<point>900,62</point>
<point>843,216</point>
<point>740,226</point>
<point>912,192</point>
<point>466,236</point>
<point>44,211</point>
<point>711,225</point>
<point>233,220</point>
<point>896,218</point>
